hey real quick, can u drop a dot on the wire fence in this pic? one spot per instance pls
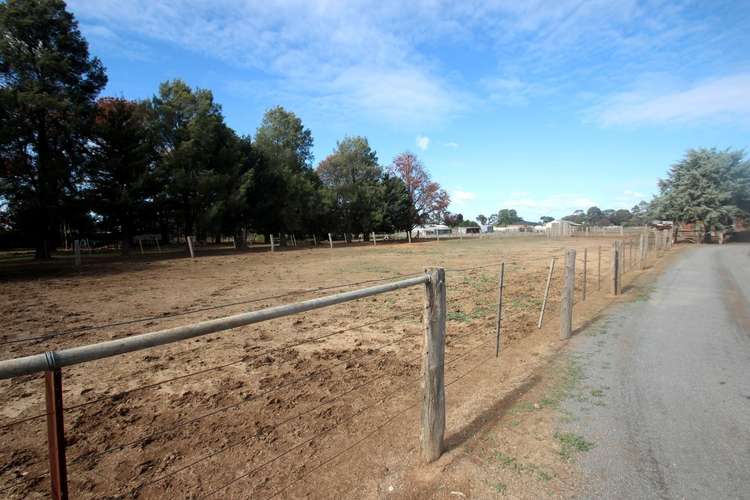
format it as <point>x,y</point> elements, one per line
<point>319,392</point>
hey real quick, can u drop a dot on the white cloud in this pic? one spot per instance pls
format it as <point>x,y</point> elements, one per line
<point>423,142</point>
<point>460,197</point>
<point>632,194</point>
<point>346,58</point>
<point>451,144</point>
<point>512,91</point>
<point>719,99</point>
<point>382,58</point>
<point>628,199</point>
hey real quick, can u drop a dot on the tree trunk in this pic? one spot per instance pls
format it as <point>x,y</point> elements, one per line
<point>42,249</point>
<point>240,240</point>
<point>125,245</point>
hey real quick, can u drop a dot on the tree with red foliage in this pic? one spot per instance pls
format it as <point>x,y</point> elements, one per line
<point>428,200</point>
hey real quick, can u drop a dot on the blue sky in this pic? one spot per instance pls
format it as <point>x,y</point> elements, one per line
<point>541,106</point>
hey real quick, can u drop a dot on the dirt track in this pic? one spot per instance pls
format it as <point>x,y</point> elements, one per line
<point>672,386</point>
<point>266,421</point>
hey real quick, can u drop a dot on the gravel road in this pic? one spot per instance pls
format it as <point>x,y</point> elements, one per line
<point>665,393</point>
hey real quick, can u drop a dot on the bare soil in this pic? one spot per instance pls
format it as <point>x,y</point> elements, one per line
<point>318,405</point>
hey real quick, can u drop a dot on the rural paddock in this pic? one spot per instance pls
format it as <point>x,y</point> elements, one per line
<point>319,404</point>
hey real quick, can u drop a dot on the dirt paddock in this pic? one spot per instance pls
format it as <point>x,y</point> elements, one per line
<point>323,404</point>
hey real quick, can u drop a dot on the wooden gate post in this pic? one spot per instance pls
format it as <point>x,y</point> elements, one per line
<point>330,240</point>
<point>499,309</point>
<point>190,246</point>
<point>566,307</point>
<point>433,366</point>
<point>56,434</point>
<point>272,245</point>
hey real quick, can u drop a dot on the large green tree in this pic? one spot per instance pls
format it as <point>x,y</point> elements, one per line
<point>395,208</point>
<point>286,194</point>
<point>119,172</point>
<point>48,88</point>
<point>201,158</point>
<point>707,186</point>
<point>507,217</point>
<point>352,174</point>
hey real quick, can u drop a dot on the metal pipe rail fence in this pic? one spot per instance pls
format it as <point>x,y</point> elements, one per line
<point>622,257</point>
<point>51,363</point>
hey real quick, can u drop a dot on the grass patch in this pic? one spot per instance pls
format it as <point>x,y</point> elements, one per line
<point>644,294</point>
<point>476,313</point>
<point>458,316</point>
<point>508,462</point>
<point>522,407</point>
<point>570,380</point>
<point>500,488</point>
<point>597,393</point>
<point>572,443</point>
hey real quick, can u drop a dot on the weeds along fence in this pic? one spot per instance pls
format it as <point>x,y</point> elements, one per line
<point>263,421</point>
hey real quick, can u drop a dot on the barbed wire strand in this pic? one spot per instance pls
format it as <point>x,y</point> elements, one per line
<point>385,423</point>
<point>238,404</point>
<point>226,448</point>
<point>243,360</point>
<point>226,365</point>
<point>166,316</point>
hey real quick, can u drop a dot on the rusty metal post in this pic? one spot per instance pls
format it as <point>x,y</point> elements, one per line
<point>56,434</point>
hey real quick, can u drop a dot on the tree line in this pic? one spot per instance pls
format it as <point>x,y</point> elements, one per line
<point>707,187</point>
<point>170,165</point>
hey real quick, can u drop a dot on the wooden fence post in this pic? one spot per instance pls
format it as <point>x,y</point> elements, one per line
<point>585,265</point>
<point>614,268</point>
<point>566,307</point>
<point>630,255</point>
<point>190,246</point>
<point>56,434</point>
<point>433,366</point>
<point>330,240</point>
<point>408,235</point>
<point>546,292</point>
<point>77,252</point>
<point>272,245</point>
<point>599,269</point>
<point>642,252</point>
<point>499,309</point>
<point>373,239</point>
